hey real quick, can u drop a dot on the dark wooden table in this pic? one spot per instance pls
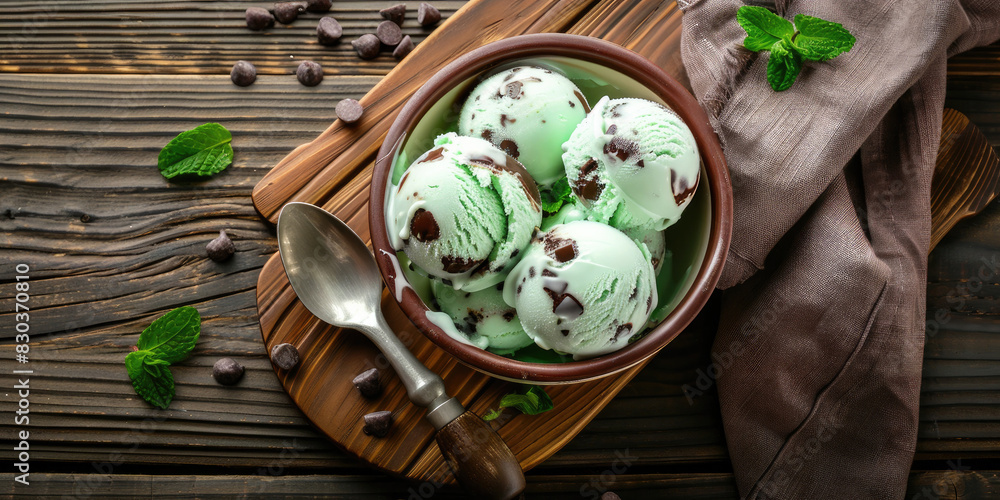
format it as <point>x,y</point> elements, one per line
<point>90,92</point>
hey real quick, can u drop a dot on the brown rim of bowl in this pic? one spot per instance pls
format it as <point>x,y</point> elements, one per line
<point>628,63</point>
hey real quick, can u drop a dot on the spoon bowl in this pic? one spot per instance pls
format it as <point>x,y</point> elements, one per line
<point>330,264</point>
<point>336,278</point>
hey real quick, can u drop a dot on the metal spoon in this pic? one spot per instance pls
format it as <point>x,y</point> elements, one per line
<point>336,278</point>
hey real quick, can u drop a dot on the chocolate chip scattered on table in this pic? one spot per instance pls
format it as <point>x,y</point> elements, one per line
<point>349,110</point>
<point>318,5</point>
<point>389,33</point>
<point>309,73</point>
<point>368,383</point>
<point>285,356</point>
<point>227,371</point>
<point>288,12</point>
<point>427,14</point>
<point>243,73</point>
<point>404,48</point>
<point>367,46</point>
<point>377,423</point>
<point>328,31</point>
<point>221,248</point>
<point>396,13</point>
<point>259,19</point>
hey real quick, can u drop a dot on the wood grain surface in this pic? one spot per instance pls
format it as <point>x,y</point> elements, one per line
<point>966,175</point>
<point>334,171</point>
<point>81,140</point>
<point>952,484</point>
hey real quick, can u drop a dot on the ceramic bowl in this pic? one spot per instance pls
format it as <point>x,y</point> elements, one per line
<point>598,67</point>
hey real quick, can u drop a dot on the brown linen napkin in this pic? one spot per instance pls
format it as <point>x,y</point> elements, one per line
<point>820,341</point>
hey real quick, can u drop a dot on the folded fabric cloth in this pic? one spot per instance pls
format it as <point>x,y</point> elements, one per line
<point>822,327</point>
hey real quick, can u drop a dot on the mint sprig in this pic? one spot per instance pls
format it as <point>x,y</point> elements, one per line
<point>809,38</point>
<point>203,150</point>
<point>529,399</point>
<point>783,66</point>
<point>167,340</point>
<point>554,197</point>
<point>820,40</point>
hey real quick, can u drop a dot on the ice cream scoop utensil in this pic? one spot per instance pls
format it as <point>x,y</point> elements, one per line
<point>336,278</point>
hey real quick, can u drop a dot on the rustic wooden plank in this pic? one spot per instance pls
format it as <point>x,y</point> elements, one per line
<point>83,396</point>
<point>103,164</point>
<point>186,37</point>
<point>975,96</point>
<point>205,37</point>
<point>978,62</point>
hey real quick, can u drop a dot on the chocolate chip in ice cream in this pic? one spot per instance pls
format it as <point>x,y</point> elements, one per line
<point>423,227</point>
<point>587,184</point>
<point>682,191</point>
<point>560,249</point>
<point>458,265</point>
<point>625,329</point>
<point>621,148</point>
<point>510,147</point>
<point>568,307</point>
<point>512,90</point>
<point>434,154</point>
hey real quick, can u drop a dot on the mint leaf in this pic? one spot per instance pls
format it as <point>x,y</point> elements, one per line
<point>151,378</point>
<point>203,150</point>
<point>172,336</point>
<point>492,415</point>
<point>809,38</point>
<point>764,28</point>
<point>819,40</point>
<point>529,399</point>
<point>167,340</point>
<point>783,66</point>
<point>556,196</point>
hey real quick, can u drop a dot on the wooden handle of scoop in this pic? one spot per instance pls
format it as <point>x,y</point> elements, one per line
<point>479,458</point>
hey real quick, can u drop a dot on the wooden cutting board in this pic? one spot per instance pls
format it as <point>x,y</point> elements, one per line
<point>334,171</point>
